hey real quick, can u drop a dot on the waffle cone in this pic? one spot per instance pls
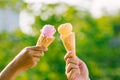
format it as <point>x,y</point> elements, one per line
<point>69,42</point>
<point>44,41</point>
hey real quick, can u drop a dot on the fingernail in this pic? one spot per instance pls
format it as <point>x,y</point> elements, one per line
<point>46,49</point>
<point>42,54</point>
<point>71,51</point>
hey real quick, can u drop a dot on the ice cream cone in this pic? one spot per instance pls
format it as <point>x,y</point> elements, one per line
<point>69,42</point>
<point>44,41</point>
<point>67,37</point>
<point>46,37</point>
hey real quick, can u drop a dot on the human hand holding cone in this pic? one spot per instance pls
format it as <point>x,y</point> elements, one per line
<point>46,37</point>
<point>67,37</point>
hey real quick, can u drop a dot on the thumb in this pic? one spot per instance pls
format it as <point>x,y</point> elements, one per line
<point>83,67</point>
<point>69,54</point>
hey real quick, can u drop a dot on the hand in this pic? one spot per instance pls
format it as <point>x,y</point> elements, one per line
<point>26,59</point>
<point>76,69</point>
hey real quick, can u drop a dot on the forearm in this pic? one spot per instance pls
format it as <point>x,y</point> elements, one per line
<point>9,72</point>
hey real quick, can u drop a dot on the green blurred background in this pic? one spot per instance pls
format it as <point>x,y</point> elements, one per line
<point>97,38</point>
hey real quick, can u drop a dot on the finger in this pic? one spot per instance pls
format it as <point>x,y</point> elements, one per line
<point>72,60</point>
<point>42,54</point>
<point>83,68</point>
<point>68,55</point>
<point>36,53</point>
<point>75,76</point>
<point>71,66</point>
<point>43,48</point>
<point>81,63</point>
<point>36,48</point>
<point>35,61</point>
<point>72,73</point>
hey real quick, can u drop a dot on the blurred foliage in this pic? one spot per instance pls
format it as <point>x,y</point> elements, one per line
<point>13,4</point>
<point>97,44</point>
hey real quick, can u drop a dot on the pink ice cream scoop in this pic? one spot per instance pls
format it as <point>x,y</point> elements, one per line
<point>48,31</point>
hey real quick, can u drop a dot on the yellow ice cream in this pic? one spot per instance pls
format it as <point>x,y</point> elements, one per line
<point>65,28</point>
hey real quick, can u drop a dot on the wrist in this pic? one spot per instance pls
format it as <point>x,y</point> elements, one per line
<point>9,72</point>
<point>15,67</point>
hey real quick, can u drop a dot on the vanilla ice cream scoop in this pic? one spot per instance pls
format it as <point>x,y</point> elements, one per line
<point>65,28</point>
<point>48,31</point>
